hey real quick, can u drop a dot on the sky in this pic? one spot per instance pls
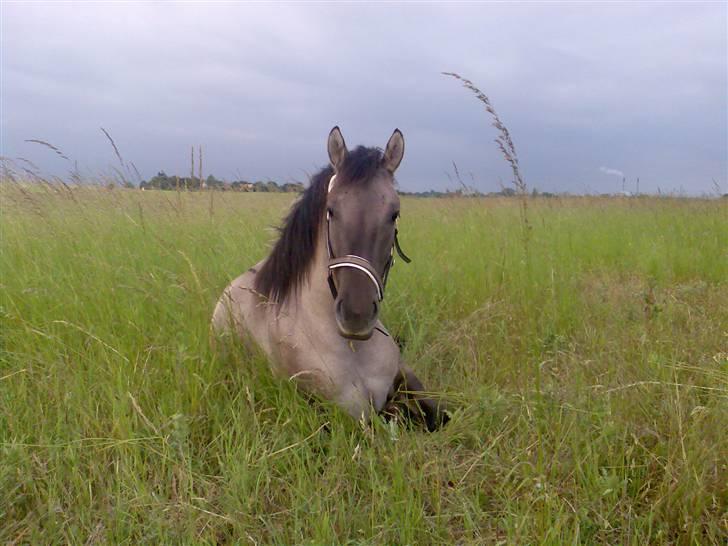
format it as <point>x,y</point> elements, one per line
<point>592,92</point>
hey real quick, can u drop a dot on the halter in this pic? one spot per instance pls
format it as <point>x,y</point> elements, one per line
<point>353,261</point>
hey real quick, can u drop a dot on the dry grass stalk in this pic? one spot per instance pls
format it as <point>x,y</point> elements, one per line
<point>504,141</point>
<point>49,145</point>
<point>716,188</point>
<point>113,145</point>
<point>136,171</point>
<point>459,179</point>
<point>29,162</point>
<point>125,168</point>
<point>506,146</point>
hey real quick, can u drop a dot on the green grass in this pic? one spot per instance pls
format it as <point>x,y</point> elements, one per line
<point>589,372</point>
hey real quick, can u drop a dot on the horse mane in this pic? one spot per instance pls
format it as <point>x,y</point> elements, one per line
<point>288,264</point>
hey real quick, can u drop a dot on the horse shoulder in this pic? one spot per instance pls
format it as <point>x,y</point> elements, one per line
<point>239,309</point>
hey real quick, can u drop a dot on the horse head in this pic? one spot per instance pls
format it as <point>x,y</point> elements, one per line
<point>362,210</point>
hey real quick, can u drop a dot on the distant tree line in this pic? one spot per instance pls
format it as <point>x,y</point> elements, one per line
<point>470,192</point>
<point>185,183</point>
<point>162,181</point>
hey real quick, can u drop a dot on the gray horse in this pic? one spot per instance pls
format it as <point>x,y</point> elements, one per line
<point>313,304</point>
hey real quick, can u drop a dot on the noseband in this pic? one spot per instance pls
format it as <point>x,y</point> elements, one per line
<point>357,262</point>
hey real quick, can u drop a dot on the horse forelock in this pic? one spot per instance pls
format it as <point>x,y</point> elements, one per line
<point>360,165</point>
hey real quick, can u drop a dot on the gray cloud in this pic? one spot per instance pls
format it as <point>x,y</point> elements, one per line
<point>260,85</point>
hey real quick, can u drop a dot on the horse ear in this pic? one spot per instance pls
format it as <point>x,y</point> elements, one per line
<point>337,148</point>
<point>394,151</point>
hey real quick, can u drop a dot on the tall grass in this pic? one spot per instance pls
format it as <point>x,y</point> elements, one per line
<point>590,388</point>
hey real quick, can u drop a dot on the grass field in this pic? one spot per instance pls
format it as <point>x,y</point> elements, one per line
<point>587,364</point>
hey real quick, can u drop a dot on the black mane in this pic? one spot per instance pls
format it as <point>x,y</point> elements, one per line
<point>288,264</point>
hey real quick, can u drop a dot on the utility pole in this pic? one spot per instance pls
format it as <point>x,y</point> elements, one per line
<point>202,183</point>
<point>192,166</point>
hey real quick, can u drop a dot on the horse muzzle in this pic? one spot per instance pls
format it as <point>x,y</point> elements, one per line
<point>356,316</point>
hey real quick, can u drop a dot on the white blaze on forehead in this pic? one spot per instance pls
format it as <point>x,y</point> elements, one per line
<point>331,183</point>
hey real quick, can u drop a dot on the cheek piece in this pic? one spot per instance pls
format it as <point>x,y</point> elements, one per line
<point>362,265</point>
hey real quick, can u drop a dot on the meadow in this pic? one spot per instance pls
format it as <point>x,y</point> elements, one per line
<point>585,358</point>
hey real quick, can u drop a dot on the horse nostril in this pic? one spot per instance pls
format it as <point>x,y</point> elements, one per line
<point>376,309</point>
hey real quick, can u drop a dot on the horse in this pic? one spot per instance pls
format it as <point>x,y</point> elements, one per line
<point>313,304</point>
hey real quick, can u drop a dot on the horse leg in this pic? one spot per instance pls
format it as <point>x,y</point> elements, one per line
<point>407,398</point>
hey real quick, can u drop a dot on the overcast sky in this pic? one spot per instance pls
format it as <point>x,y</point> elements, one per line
<point>587,90</point>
